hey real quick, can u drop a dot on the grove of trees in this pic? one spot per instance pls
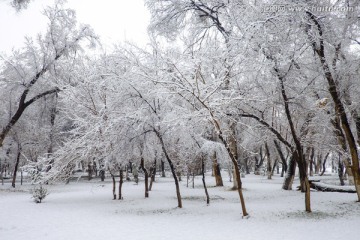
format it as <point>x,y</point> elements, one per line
<point>222,84</point>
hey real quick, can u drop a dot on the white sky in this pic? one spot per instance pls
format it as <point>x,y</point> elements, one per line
<point>114,20</point>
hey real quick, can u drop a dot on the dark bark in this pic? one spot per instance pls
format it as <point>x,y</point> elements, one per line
<point>281,155</point>
<point>297,150</point>
<point>152,174</point>
<point>16,167</point>
<point>341,171</point>
<point>172,168</point>
<point>146,177</point>
<point>290,174</point>
<point>233,158</point>
<point>121,181</point>
<point>339,106</point>
<point>269,169</point>
<point>23,104</point>
<point>329,188</point>
<point>114,186</point>
<point>324,164</point>
<point>216,170</point>
<point>204,183</point>
<point>162,168</point>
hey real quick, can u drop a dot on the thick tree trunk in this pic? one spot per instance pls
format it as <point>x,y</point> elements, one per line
<point>290,174</point>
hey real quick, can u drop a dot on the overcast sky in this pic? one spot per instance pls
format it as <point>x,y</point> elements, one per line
<point>114,20</point>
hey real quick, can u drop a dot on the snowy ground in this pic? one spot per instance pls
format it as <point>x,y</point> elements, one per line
<point>84,210</point>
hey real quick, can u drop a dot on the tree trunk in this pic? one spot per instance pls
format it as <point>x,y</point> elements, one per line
<point>203,180</point>
<point>121,181</point>
<point>216,171</point>
<point>177,185</point>
<point>233,157</point>
<point>16,167</point>
<point>311,167</point>
<point>275,167</point>
<point>290,174</point>
<point>152,174</point>
<point>146,177</point>
<point>341,171</point>
<point>324,164</point>
<point>268,169</point>
<point>338,104</point>
<point>114,186</point>
<point>162,168</point>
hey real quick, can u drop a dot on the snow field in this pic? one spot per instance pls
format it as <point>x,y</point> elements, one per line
<point>85,210</point>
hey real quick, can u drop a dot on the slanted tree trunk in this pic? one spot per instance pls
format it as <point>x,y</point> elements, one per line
<point>233,157</point>
<point>282,158</point>
<point>275,167</point>
<point>203,180</point>
<point>216,170</point>
<point>172,168</point>
<point>324,164</point>
<point>146,177</point>
<point>297,150</point>
<point>319,49</point>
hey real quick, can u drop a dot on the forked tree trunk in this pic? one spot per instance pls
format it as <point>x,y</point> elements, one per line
<point>233,158</point>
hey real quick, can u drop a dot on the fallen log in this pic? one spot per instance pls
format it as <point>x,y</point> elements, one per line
<point>323,187</point>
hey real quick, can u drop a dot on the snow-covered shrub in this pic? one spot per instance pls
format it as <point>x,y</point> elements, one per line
<point>39,193</point>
